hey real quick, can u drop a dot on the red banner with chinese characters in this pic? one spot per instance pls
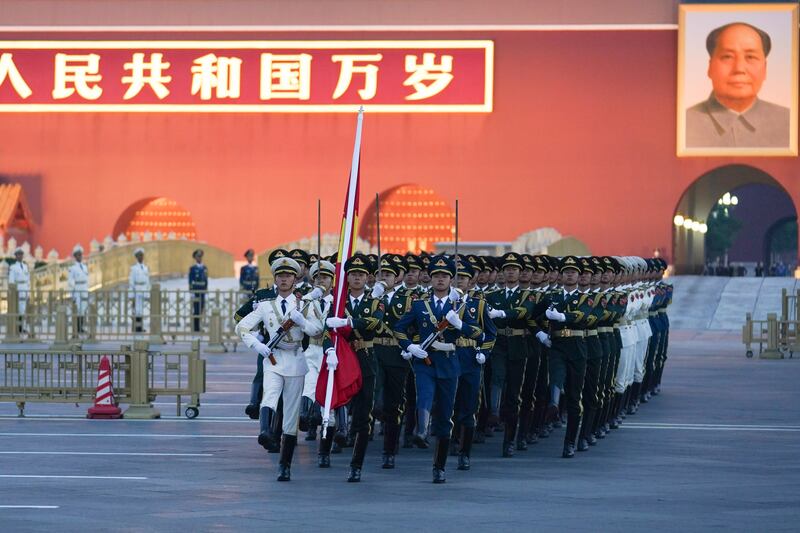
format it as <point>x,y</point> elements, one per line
<point>246,76</point>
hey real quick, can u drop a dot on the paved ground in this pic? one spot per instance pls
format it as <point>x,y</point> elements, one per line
<point>718,449</point>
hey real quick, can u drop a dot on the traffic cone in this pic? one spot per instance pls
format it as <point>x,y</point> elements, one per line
<point>104,400</point>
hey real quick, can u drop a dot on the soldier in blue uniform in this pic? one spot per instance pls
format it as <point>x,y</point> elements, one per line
<point>198,285</point>
<point>248,275</point>
<point>436,370</point>
<point>472,354</point>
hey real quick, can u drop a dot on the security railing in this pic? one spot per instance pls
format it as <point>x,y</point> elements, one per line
<point>138,374</point>
<point>111,315</point>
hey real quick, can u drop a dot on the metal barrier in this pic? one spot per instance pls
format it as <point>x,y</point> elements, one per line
<point>69,375</point>
<point>167,316</point>
<point>779,336</point>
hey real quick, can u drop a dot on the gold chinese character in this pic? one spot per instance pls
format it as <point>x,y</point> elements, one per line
<point>348,68</point>
<point>221,73</point>
<point>440,75</point>
<point>285,76</point>
<point>78,71</point>
<point>138,79</point>
<point>9,70</point>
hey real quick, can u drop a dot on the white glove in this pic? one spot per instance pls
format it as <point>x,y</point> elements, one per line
<point>405,355</point>
<point>452,317</point>
<point>315,294</point>
<point>333,361</point>
<point>260,337</point>
<point>335,322</point>
<point>544,338</point>
<point>497,313</point>
<point>378,290</point>
<point>262,349</point>
<point>298,318</point>
<point>480,358</point>
<point>417,351</point>
<point>552,314</point>
<point>455,295</point>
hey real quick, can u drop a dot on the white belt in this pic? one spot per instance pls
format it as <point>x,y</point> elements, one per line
<point>443,346</point>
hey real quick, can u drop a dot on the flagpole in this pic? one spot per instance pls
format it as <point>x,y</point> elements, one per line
<point>345,250</point>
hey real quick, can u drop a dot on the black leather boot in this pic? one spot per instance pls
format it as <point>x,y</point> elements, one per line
<point>586,429</point>
<point>510,434</point>
<point>266,435</point>
<point>440,459</point>
<point>522,432</point>
<point>255,399</point>
<point>467,435</point>
<point>324,456</point>
<point>305,408</point>
<point>359,451</point>
<point>315,416</point>
<point>573,424</point>
<point>285,464</point>
<point>390,437</point>
<point>312,433</point>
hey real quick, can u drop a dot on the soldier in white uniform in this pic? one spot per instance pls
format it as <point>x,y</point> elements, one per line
<point>78,284</point>
<point>139,288</point>
<point>322,274</point>
<point>285,365</point>
<point>19,275</point>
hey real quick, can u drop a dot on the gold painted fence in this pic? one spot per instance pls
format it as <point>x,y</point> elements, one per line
<point>139,374</point>
<point>108,315</point>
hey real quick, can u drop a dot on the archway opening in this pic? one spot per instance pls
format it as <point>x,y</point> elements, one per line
<point>723,221</point>
<point>413,218</point>
<point>153,215</point>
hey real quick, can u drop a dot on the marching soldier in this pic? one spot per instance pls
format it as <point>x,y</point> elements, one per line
<point>364,318</point>
<point>78,284</point>
<point>510,352</point>
<point>322,274</point>
<point>437,368</point>
<point>139,287</point>
<point>198,285</point>
<point>393,368</point>
<point>20,275</point>
<point>587,281</point>
<point>472,355</point>
<point>301,256</point>
<point>260,295</point>
<point>568,350</point>
<point>248,275</point>
<point>284,375</point>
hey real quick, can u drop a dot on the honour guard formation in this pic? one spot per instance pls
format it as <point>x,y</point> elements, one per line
<point>454,351</point>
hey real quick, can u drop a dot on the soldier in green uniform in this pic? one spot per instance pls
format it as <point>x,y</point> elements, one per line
<point>394,369</point>
<point>568,350</point>
<point>541,391</point>
<point>364,318</point>
<point>510,353</point>
<point>594,351</point>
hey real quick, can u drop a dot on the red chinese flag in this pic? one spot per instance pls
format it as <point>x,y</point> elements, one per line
<point>347,377</point>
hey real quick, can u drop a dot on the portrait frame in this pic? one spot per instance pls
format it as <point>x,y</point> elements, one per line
<point>721,14</point>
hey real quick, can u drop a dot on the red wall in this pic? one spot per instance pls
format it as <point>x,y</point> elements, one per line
<point>582,139</point>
